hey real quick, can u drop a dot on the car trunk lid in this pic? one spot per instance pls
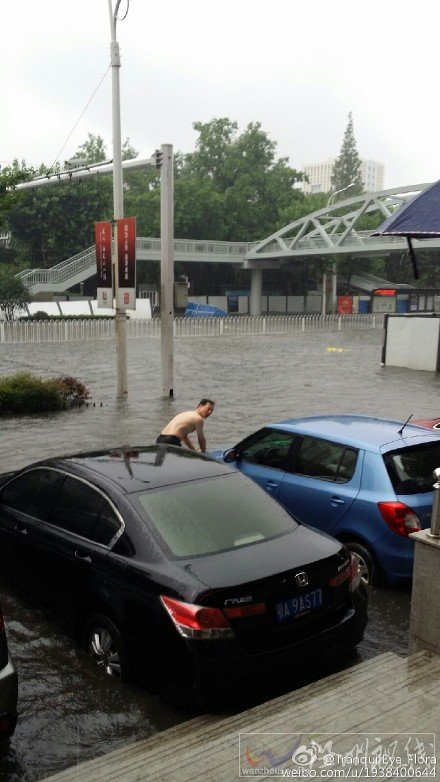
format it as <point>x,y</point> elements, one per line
<point>287,597</point>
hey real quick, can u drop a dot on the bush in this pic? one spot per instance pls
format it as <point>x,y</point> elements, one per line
<point>24,393</point>
<point>73,391</point>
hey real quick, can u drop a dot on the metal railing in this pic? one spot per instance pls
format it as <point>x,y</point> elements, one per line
<point>81,330</point>
<point>62,271</point>
<point>86,260</point>
<point>434,531</point>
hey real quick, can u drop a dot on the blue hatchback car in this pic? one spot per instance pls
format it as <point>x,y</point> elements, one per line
<point>366,481</point>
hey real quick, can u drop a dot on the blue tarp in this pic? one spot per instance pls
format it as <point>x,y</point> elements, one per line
<point>417,219</point>
<point>204,311</point>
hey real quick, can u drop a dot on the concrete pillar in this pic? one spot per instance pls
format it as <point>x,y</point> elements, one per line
<point>334,289</point>
<point>167,269</point>
<point>424,625</point>
<point>256,291</point>
<point>324,294</point>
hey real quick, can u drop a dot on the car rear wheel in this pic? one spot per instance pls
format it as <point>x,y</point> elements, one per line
<point>369,570</point>
<point>104,644</point>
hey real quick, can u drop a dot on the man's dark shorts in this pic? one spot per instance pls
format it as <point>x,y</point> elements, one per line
<point>168,439</point>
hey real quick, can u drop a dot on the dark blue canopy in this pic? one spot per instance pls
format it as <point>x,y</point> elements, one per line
<point>417,219</point>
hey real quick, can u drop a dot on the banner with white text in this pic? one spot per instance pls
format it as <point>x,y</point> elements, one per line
<point>126,228</point>
<point>104,276</point>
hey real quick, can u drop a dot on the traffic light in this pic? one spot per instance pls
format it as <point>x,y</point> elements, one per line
<point>158,156</point>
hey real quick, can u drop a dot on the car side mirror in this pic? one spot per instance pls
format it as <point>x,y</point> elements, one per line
<point>231,455</point>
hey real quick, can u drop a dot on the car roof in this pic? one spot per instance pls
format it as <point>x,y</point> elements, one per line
<point>137,468</point>
<point>361,431</point>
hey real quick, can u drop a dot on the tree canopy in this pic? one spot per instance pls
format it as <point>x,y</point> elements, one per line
<point>238,185</point>
<point>13,294</point>
<point>10,177</point>
<point>347,168</point>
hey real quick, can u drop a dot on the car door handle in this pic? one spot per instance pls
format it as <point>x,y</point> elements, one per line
<point>82,556</point>
<point>271,485</point>
<point>21,530</point>
<point>337,501</point>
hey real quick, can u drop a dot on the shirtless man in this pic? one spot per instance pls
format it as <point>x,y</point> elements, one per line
<point>183,424</point>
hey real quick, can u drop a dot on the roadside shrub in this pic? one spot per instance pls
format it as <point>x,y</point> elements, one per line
<point>24,393</point>
<point>73,391</point>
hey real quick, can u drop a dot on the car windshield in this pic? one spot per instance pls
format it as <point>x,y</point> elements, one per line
<point>217,514</point>
<point>411,469</point>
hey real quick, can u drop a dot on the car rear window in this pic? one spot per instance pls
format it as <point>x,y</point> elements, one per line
<point>411,469</point>
<point>33,492</point>
<point>217,514</point>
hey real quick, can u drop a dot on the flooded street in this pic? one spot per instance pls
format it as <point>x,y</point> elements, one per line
<point>67,713</point>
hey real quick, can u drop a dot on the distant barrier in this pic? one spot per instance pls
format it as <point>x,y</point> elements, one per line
<point>90,329</point>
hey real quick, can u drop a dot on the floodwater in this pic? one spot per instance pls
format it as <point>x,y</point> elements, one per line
<point>68,714</point>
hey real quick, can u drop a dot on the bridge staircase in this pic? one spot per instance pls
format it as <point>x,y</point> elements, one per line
<point>80,267</point>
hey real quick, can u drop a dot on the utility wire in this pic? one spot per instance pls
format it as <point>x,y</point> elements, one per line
<point>79,118</point>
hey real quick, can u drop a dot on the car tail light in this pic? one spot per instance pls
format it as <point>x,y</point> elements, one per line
<point>351,573</point>
<point>399,517</point>
<point>198,622</point>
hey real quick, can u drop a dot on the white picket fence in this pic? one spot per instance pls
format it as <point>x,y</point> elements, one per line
<point>90,329</point>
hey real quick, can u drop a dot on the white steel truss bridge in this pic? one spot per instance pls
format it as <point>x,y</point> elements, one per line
<point>333,231</point>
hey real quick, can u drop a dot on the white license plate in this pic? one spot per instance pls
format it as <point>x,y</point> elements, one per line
<point>299,605</point>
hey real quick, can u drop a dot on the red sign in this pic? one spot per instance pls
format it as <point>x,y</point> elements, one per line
<point>103,249</point>
<point>385,292</point>
<point>345,305</point>
<point>127,252</point>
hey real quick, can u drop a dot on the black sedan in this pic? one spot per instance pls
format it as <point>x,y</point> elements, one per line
<point>175,569</point>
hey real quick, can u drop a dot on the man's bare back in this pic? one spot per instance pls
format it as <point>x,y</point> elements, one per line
<point>184,424</point>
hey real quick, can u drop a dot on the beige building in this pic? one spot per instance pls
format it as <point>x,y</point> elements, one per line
<point>319,175</point>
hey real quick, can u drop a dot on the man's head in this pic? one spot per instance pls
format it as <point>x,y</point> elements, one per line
<point>205,407</point>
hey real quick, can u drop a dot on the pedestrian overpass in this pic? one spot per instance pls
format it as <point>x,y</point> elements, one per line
<point>334,231</point>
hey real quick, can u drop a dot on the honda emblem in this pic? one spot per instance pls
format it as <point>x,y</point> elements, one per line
<point>301,579</point>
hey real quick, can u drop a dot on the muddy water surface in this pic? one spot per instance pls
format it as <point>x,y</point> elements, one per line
<point>67,712</point>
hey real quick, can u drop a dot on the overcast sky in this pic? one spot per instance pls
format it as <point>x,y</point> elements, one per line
<point>296,66</point>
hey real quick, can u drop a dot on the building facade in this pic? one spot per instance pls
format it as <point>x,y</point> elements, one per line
<point>320,174</point>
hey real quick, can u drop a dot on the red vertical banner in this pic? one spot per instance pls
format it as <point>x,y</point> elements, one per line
<point>127,263</point>
<point>104,276</point>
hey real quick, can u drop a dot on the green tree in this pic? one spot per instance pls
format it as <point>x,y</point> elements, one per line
<point>13,294</point>
<point>210,158</point>
<point>49,224</point>
<point>303,205</point>
<point>10,177</point>
<point>247,180</point>
<point>233,188</point>
<point>93,150</point>
<point>347,168</point>
<point>52,223</point>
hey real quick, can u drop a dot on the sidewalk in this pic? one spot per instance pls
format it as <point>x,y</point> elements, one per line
<point>388,701</point>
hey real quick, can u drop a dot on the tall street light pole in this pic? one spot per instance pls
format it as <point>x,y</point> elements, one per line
<point>118,203</point>
<point>334,267</point>
<point>339,191</point>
